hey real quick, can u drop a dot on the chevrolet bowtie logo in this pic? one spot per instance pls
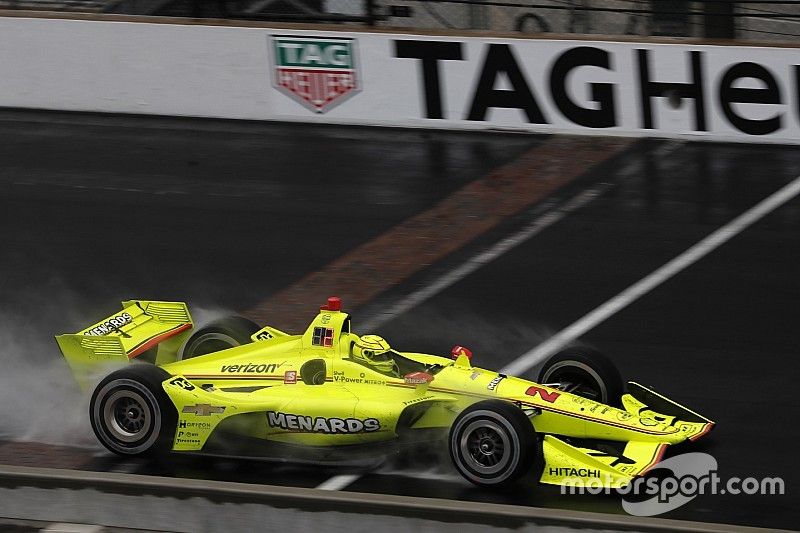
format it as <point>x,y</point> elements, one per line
<point>203,409</point>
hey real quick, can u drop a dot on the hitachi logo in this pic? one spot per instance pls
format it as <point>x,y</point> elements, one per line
<point>252,368</point>
<point>573,472</point>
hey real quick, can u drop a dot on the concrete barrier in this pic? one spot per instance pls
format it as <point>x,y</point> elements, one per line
<point>159,503</point>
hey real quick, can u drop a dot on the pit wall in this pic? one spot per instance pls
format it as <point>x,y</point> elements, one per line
<point>698,91</point>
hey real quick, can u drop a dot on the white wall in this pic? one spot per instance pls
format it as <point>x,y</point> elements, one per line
<point>227,72</point>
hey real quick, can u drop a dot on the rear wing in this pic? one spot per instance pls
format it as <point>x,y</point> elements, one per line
<point>150,330</point>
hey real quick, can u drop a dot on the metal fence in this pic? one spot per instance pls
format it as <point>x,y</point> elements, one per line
<point>749,19</point>
<point>744,19</point>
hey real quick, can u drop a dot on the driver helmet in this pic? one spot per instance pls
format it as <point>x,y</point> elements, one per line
<point>373,351</point>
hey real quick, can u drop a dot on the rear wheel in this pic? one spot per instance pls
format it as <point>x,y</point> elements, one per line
<point>584,372</point>
<point>131,414</point>
<point>219,335</point>
<point>492,443</point>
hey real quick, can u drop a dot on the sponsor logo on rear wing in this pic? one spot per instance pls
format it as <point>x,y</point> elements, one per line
<point>113,324</point>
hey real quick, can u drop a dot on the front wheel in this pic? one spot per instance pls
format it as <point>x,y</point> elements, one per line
<point>131,414</point>
<point>492,443</point>
<point>584,372</point>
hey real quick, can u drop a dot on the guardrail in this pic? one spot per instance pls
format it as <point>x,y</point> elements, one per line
<point>150,502</point>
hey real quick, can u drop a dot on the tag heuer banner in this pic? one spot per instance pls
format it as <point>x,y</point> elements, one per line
<point>318,72</point>
<point>690,90</point>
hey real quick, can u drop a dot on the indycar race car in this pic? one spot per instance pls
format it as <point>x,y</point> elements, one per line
<point>331,389</point>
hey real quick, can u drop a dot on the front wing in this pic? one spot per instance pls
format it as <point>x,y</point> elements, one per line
<point>614,465</point>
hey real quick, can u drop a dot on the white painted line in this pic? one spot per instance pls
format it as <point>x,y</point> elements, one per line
<point>540,223</point>
<point>338,482</point>
<point>428,475</point>
<point>647,284</point>
<point>72,528</point>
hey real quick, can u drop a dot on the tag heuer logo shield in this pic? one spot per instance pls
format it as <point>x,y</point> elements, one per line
<point>318,72</point>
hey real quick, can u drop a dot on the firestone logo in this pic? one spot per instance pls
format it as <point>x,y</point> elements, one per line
<point>318,72</point>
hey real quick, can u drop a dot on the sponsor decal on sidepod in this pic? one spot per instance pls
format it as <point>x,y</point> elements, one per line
<point>307,424</point>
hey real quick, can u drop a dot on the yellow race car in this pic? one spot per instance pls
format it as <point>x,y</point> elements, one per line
<point>329,393</point>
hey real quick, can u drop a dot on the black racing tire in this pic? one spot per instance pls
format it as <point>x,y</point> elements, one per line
<point>593,375</point>
<point>219,335</point>
<point>492,443</point>
<point>131,414</point>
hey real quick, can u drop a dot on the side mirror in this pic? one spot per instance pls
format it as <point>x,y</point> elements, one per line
<point>458,351</point>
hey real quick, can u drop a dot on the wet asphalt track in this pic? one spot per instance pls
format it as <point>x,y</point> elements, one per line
<point>97,209</point>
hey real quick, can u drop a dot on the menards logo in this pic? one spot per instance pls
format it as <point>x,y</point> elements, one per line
<point>318,72</point>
